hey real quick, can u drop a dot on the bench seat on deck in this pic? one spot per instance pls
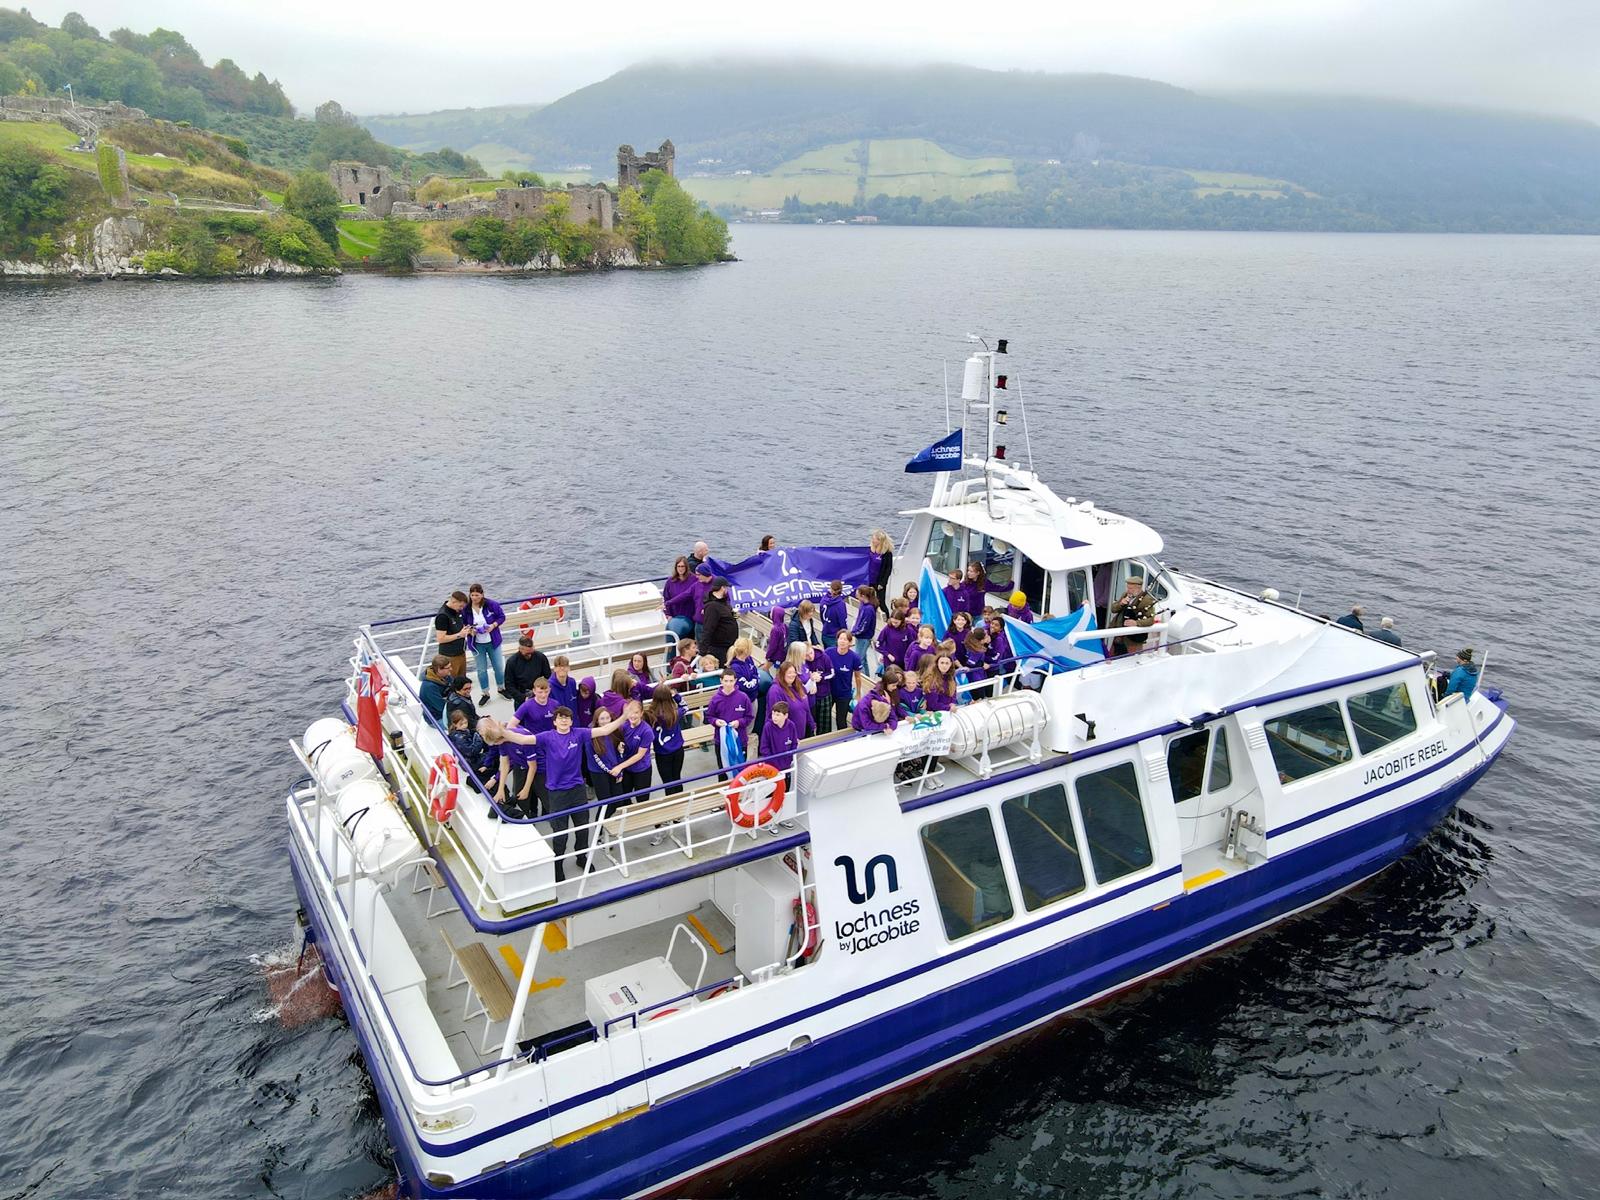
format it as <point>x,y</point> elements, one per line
<point>650,813</point>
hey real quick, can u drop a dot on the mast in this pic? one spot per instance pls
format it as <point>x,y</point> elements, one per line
<point>983,391</point>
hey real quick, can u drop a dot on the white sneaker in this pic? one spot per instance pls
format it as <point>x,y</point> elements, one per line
<point>658,839</point>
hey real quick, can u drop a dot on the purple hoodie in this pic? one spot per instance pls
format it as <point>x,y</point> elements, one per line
<point>613,703</point>
<point>678,597</point>
<point>747,674</point>
<point>973,596</point>
<point>799,709</point>
<point>893,643</point>
<point>866,623</point>
<point>915,654</point>
<point>1023,614</point>
<point>936,699</point>
<point>702,589</point>
<point>583,713</point>
<point>835,616</point>
<point>861,718</point>
<point>736,710</point>
<point>778,639</point>
<point>779,744</point>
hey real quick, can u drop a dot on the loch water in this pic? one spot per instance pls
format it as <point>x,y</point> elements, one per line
<point>205,486</point>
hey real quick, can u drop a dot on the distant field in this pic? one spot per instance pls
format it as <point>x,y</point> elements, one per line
<point>497,157</point>
<point>838,174</point>
<point>45,136</point>
<point>359,238</point>
<point>1221,183</point>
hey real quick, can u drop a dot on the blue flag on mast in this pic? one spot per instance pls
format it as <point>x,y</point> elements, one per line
<point>943,455</point>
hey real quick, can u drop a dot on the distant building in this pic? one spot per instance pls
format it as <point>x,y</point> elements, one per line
<point>374,188</point>
<point>631,165</point>
<point>865,219</point>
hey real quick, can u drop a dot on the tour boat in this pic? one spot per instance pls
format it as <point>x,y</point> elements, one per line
<point>722,967</point>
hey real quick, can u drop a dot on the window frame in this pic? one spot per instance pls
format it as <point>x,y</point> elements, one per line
<point>1305,704</point>
<point>1074,820</point>
<point>1002,849</point>
<point>1361,751</point>
<point>1086,848</point>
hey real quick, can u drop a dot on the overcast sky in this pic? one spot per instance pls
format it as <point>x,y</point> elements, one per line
<point>402,55</point>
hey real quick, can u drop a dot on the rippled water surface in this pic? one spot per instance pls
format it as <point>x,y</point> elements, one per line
<point>205,486</point>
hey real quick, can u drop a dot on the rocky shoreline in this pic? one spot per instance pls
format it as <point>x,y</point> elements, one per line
<point>115,245</point>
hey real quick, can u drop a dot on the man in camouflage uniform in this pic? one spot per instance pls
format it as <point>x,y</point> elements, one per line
<point>1134,607</point>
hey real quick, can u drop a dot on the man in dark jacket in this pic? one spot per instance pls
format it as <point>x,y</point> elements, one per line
<point>522,668</point>
<point>1386,632</point>
<point>435,687</point>
<point>1352,619</point>
<point>721,626</point>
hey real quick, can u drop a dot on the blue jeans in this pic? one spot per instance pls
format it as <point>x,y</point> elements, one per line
<point>489,656</point>
<point>682,626</point>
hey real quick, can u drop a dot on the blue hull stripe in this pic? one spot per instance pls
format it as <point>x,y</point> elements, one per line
<point>720,1119</point>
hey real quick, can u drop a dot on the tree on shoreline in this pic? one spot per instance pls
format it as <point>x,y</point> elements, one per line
<point>399,244</point>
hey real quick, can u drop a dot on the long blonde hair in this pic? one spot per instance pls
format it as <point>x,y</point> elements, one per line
<point>741,648</point>
<point>796,656</point>
<point>880,542</point>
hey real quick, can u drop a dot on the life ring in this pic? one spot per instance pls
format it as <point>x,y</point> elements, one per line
<point>443,786</point>
<point>659,1013</point>
<point>547,602</point>
<point>810,928</point>
<point>774,800</point>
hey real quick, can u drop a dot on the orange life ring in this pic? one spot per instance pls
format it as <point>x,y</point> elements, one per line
<point>659,1013</point>
<point>768,810</point>
<point>548,601</point>
<point>443,786</point>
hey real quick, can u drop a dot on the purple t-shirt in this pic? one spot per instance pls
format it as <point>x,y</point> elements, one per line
<point>915,655</point>
<point>845,667</point>
<point>536,717</point>
<point>735,710</point>
<point>517,754</point>
<point>565,694</point>
<point>799,708</point>
<point>635,738</point>
<point>936,699</point>
<point>562,757</point>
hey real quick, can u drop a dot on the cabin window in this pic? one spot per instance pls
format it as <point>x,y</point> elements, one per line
<point>964,862</point>
<point>1186,764</point>
<point>1382,717</point>
<point>1307,742</point>
<point>1043,846</point>
<point>999,561</point>
<point>1077,591</point>
<point>1221,768</point>
<point>1113,822</point>
<point>944,548</point>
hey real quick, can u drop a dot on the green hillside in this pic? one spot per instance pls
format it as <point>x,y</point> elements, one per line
<point>1350,163</point>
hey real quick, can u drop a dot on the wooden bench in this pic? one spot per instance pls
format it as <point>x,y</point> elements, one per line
<point>485,982</point>
<point>626,607</point>
<point>635,818</point>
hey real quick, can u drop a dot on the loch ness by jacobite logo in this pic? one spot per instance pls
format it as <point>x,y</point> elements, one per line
<point>857,896</point>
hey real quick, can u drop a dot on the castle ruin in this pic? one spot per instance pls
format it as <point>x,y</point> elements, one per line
<point>374,188</point>
<point>631,165</point>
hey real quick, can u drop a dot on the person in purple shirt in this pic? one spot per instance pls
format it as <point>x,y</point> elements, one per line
<point>820,688</point>
<point>1018,609</point>
<point>787,686</point>
<point>954,595</point>
<point>483,619</point>
<point>978,656</point>
<point>846,680</point>
<point>703,575</point>
<point>588,701</point>
<point>638,738</point>
<point>780,738</point>
<point>923,647</point>
<point>678,596</point>
<point>896,637</point>
<point>999,643</point>
<point>605,757</point>
<point>538,712</point>
<point>729,706</point>
<point>835,612</point>
<point>619,693</point>
<point>665,714</point>
<point>960,626</point>
<point>777,640</point>
<point>866,622</point>
<point>975,590</point>
<point>516,748</point>
<point>939,682</point>
<point>874,713</point>
<point>639,668</point>
<point>742,662</point>
<point>561,754</point>
<point>563,687</point>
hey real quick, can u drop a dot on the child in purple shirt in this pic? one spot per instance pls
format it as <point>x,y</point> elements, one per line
<point>835,612</point>
<point>781,738</point>
<point>730,707</point>
<point>920,649</point>
<point>1018,609</point>
<point>897,637</point>
<point>538,712</point>
<point>846,671</point>
<point>866,619</point>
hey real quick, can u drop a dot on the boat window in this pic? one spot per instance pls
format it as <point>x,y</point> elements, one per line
<point>999,560</point>
<point>1309,741</point>
<point>1186,764</point>
<point>1043,846</point>
<point>1077,591</point>
<point>1221,768</point>
<point>1382,717</point>
<point>944,547</point>
<point>1113,822</point>
<point>964,861</point>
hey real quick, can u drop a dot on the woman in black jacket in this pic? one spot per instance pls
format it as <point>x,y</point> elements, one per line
<point>721,626</point>
<point>882,548</point>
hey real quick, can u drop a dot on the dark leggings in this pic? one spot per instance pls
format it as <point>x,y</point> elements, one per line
<point>822,713</point>
<point>669,764</point>
<point>635,781</point>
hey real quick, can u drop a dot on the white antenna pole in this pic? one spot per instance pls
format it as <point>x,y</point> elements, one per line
<point>1027,441</point>
<point>946,365</point>
<point>988,459</point>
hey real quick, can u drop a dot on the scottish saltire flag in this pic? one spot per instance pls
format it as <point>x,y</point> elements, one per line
<point>1049,639</point>
<point>943,455</point>
<point>931,601</point>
